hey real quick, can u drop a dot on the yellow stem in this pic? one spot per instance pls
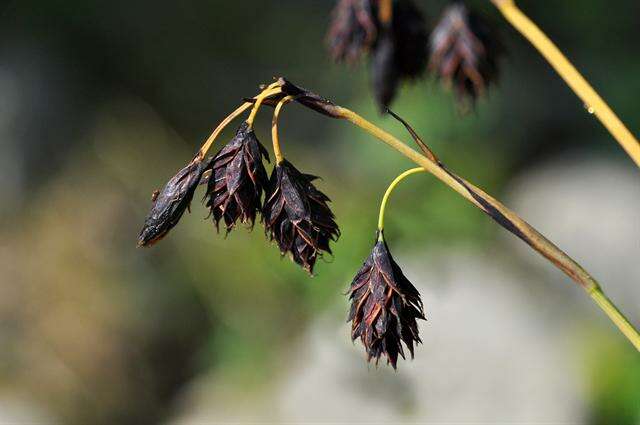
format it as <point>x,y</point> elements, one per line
<point>207,145</point>
<point>385,198</point>
<point>534,238</point>
<point>385,11</point>
<point>617,317</point>
<point>225,122</point>
<point>269,91</point>
<point>274,128</point>
<point>593,102</point>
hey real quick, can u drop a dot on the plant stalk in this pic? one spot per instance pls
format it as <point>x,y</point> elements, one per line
<point>506,218</point>
<point>269,91</point>
<point>214,135</point>
<point>385,12</point>
<point>392,186</point>
<point>617,317</point>
<point>239,111</point>
<point>277,152</point>
<point>581,87</point>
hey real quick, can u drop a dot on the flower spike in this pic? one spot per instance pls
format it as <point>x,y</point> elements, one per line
<point>384,304</point>
<point>464,52</point>
<point>170,203</point>
<point>353,30</point>
<point>391,31</point>
<point>385,307</point>
<point>297,216</point>
<point>238,179</point>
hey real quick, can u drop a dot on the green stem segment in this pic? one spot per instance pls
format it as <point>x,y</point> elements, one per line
<point>617,317</point>
<point>385,198</point>
<point>277,152</point>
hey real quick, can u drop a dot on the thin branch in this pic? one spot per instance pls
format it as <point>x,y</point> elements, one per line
<point>214,135</point>
<point>508,220</point>
<point>252,102</point>
<point>581,87</point>
<point>387,194</point>
<point>486,203</point>
<point>277,152</point>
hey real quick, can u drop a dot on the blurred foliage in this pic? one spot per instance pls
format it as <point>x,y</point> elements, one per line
<point>614,388</point>
<point>104,101</point>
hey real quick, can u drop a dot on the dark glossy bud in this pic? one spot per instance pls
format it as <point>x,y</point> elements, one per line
<point>411,39</point>
<point>400,52</point>
<point>385,75</point>
<point>170,203</point>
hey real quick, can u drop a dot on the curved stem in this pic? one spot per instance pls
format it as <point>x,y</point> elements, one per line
<point>503,216</point>
<point>212,138</point>
<point>592,100</point>
<point>274,128</point>
<point>225,122</point>
<point>392,186</point>
<point>269,91</point>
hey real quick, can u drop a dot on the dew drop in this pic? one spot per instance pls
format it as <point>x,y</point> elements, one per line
<point>590,109</point>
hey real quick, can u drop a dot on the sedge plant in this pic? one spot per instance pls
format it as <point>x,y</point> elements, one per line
<point>296,215</point>
<point>462,52</point>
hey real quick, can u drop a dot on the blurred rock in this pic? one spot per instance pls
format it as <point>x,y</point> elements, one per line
<point>589,207</point>
<point>490,354</point>
<point>14,411</point>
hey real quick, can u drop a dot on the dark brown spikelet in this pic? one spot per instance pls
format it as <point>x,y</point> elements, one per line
<point>400,52</point>
<point>385,307</point>
<point>411,39</point>
<point>297,216</point>
<point>385,75</point>
<point>353,30</point>
<point>238,179</point>
<point>170,203</point>
<point>464,52</point>
<point>398,48</point>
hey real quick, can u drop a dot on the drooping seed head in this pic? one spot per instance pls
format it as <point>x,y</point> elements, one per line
<point>237,180</point>
<point>385,307</point>
<point>397,47</point>
<point>400,51</point>
<point>385,75</point>
<point>464,52</point>
<point>170,203</point>
<point>297,216</point>
<point>353,30</point>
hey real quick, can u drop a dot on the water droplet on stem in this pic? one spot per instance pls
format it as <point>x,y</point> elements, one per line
<point>590,109</point>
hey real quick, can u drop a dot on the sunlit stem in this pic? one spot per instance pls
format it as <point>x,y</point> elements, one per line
<point>225,122</point>
<point>212,138</point>
<point>593,102</point>
<point>385,11</point>
<point>392,186</point>
<point>274,128</point>
<point>534,238</point>
<point>269,91</point>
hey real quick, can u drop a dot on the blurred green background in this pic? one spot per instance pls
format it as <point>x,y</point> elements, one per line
<point>101,102</point>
